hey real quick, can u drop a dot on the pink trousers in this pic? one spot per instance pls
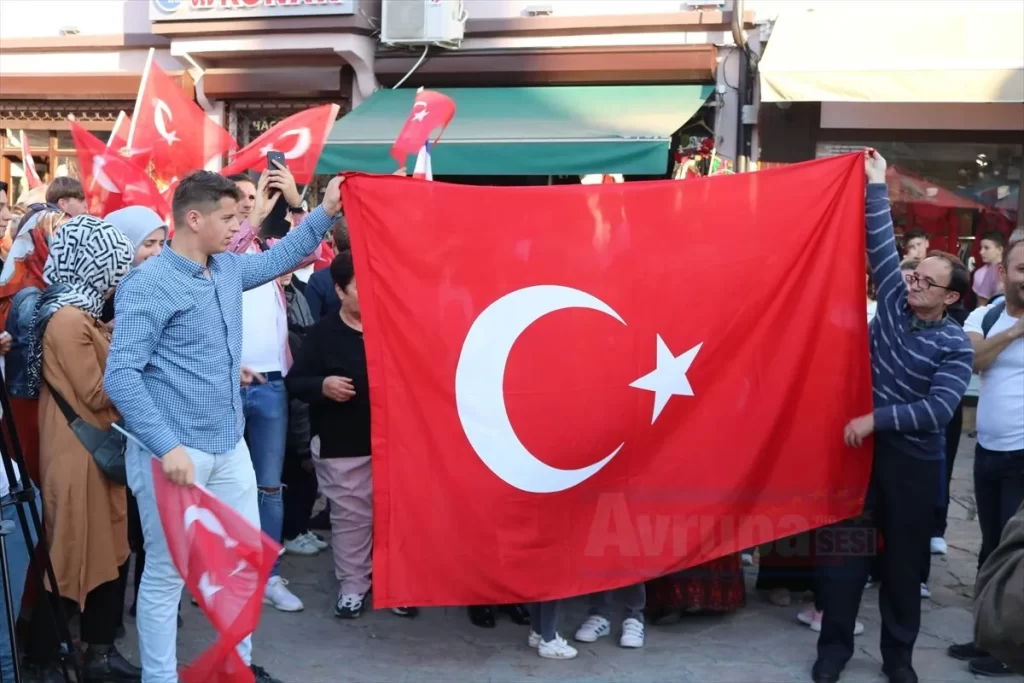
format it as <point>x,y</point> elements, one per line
<point>347,483</point>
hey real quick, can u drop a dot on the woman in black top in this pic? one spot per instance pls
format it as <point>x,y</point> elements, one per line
<point>330,375</point>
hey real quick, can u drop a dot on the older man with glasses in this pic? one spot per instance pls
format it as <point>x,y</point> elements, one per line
<point>921,363</point>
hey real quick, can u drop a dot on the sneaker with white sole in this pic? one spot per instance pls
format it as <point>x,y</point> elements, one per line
<point>534,640</point>
<point>349,605</point>
<point>938,545</point>
<point>812,617</point>
<point>556,649</point>
<point>316,540</point>
<point>278,595</point>
<point>632,633</point>
<point>593,628</point>
<point>300,545</point>
<point>925,592</point>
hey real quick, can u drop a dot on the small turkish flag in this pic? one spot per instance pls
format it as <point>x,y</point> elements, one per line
<point>300,137</point>
<point>31,175</point>
<point>175,129</point>
<point>577,388</point>
<point>110,180</point>
<point>225,562</point>
<point>430,110</point>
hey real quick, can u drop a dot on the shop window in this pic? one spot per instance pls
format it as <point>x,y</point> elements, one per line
<point>967,179</point>
<point>955,192</point>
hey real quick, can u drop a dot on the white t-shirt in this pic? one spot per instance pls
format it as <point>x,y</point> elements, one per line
<point>264,329</point>
<point>1001,396</point>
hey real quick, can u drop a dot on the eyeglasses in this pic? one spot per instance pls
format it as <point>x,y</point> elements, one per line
<point>922,282</point>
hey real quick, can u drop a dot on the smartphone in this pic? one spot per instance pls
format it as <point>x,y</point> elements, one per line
<point>278,157</point>
<point>276,224</point>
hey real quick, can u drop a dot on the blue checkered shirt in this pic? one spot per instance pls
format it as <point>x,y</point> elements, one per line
<point>175,363</point>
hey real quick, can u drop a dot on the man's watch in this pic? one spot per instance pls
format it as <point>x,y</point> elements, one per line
<point>296,209</point>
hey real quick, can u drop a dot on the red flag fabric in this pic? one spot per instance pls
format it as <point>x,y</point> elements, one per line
<point>31,175</point>
<point>225,562</point>
<point>301,137</point>
<point>576,388</point>
<point>430,110</point>
<point>110,180</point>
<point>177,132</point>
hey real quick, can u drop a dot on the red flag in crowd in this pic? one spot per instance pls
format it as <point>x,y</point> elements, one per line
<point>610,382</point>
<point>430,111</point>
<point>118,142</point>
<point>300,137</point>
<point>225,562</point>
<point>31,175</point>
<point>179,135</point>
<point>110,180</point>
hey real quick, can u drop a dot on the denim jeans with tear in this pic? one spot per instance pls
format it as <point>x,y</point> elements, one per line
<point>265,407</point>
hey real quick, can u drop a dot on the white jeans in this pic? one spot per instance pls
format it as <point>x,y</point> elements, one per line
<point>231,478</point>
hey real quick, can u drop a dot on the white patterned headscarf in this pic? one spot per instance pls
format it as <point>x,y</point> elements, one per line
<point>88,257</point>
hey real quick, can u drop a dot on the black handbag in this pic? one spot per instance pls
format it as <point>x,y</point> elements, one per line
<point>106,447</point>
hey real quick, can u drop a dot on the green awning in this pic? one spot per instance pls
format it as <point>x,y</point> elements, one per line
<point>558,130</point>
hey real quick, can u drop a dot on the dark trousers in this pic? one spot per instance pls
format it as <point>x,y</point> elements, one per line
<point>900,504</point>
<point>97,626</point>
<point>998,491</point>
<point>953,431</point>
<point>299,497</point>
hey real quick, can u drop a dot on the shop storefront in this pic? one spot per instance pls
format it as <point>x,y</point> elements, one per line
<point>940,93</point>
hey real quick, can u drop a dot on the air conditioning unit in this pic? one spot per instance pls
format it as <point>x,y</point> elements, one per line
<point>422,22</point>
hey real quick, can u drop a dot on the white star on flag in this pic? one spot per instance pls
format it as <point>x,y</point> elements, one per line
<point>420,115</point>
<point>669,377</point>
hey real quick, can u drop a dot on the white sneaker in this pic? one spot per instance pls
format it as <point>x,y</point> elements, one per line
<point>278,595</point>
<point>939,546</point>
<point>812,618</point>
<point>316,541</point>
<point>593,628</point>
<point>534,640</point>
<point>557,649</point>
<point>925,593</point>
<point>300,545</point>
<point>632,633</point>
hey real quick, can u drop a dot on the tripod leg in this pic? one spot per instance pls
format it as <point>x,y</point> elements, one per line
<point>12,621</point>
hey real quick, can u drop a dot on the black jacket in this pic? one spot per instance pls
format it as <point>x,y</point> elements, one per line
<point>332,348</point>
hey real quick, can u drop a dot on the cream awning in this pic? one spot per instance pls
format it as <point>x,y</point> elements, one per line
<point>896,52</point>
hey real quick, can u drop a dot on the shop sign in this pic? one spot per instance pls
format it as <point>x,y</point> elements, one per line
<point>197,10</point>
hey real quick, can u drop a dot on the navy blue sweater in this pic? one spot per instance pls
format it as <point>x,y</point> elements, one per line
<point>919,370</point>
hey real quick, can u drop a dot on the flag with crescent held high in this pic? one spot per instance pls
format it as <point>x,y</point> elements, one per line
<point>577,388</point>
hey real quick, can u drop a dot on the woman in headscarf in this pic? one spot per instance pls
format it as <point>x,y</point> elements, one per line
<point>85,513</point>
<point>148,234</point>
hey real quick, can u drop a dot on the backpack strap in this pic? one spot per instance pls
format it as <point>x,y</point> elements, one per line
<point>991,316</point>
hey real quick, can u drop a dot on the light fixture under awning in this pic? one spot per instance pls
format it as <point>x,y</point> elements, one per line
<point>558,130</point>
<point>896,52</point>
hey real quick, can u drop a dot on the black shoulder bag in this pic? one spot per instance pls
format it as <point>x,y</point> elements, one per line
<point>106,447</point>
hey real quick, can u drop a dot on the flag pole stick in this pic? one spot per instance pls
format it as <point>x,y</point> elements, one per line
<point>138,98</point>
<point>117,126</point>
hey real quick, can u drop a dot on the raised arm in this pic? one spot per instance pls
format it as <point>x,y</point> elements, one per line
<point>933,412</point>
<point>883,257</point>
<point>288,254</point>
<point>141,320</point>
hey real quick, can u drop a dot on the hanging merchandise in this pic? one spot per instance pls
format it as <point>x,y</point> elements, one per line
<point>699,158</point>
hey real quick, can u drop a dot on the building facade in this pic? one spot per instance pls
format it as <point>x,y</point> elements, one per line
<point>251,63</point>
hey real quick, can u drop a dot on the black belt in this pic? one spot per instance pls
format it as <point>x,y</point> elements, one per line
<point>272,376</point>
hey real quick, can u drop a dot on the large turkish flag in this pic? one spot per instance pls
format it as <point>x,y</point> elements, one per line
<point>576,388</point>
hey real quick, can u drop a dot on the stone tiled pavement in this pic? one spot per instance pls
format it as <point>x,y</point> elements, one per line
<point>759,643</point>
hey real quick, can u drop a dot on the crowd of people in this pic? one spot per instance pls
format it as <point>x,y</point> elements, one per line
<point>234,354</point>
